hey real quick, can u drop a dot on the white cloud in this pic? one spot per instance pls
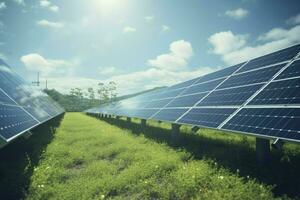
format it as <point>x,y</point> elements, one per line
<point>177,58</point>
<point>2,56</point>
<point>49,5</point>
<point>46,23</point>
<point>224,42</point>
<point>48,67</point>
<point>2,5</point>
<point>237,14</point>
<point>165,28</point>
<point>54,8</point>
<point>233,49</point>
<point>107,71</point>
<point>149,18</point>
<point>131,82</point>
<point>294,20</point>
<point>20,2</point>
<point>129,29</point>
<point>140,80</point>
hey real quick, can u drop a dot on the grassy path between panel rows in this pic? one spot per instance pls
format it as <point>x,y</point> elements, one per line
<point>91,159</point>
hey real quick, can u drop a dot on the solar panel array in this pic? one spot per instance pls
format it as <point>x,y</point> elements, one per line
<point>259,97</point>
<point>21,106</point>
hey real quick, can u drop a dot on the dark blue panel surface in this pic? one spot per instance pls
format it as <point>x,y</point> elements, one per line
<point>276,57</point>
<point>184,84</point>
<point>279,92</point>
<point>5,99</point>
<point>169,114</point>
<point>257,76</point>
<point>220,73</point>
<point>208,117</point>
<point>158,103</point>
<point>144,113</point>
<point>233,96</point>
<point>276,122</point>
<point>203,87</point>
<point>14,120</point>
<point>21,92</point>
<point>167,94</point>
<point>292,71</point>
<point>186,101</point>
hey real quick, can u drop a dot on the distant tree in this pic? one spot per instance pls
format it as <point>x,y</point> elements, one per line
<point>91,96</point>
<point>112,88</point>
<point>91,93</point>
<point>102,92</point>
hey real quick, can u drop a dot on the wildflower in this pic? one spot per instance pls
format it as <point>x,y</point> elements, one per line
<point>102,196</point>
<point>221,177</point>
<point>237,171</point>
<point>248,177</point>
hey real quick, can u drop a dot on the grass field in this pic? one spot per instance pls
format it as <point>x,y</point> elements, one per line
<point>82,157</point>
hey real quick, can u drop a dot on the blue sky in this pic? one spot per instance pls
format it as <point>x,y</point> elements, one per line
<point>139,44</point>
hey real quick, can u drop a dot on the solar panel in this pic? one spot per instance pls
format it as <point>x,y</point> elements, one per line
<point>276,122</point>
<point>21,106</point>
<point>259,97</point>
<point>207,117</point>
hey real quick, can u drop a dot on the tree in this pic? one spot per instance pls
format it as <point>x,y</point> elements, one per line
<point>112,87</point>
<point>91,93</point>
<point>102,92</point>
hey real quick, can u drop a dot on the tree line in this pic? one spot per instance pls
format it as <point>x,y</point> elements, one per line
<point>79,99</point>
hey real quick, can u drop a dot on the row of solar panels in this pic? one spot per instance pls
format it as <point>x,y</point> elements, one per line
<point>259,97</point>
<point>21,106</point>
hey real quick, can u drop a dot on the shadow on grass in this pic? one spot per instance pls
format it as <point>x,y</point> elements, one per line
<point>18,159</point>
<point>282,171</point>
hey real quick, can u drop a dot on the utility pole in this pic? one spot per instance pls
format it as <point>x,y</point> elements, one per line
<point>37,83</point>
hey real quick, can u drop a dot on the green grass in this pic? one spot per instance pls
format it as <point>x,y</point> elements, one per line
<point>87,158</point>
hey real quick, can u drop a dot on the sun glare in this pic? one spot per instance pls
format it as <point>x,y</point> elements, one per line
<point>107,7</point>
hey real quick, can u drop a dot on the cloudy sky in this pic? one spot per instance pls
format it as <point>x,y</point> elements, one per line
<point>139,44</point>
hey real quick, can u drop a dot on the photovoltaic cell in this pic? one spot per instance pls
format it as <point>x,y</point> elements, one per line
<point>184,84</point>
<point>279,92</point>
<point>167,94</point>
<point>5,99</point>
<point>292,71</point>
<point>144,113</point>
<point>208,117</point>
<point>219,74</point>
<point>186,101</point>
<point>257,76</point>
<point>276,122</point>
<point>14,120</point>
<point>203,87</point>
<point>276,57</point>
<point>233,96</point>
<point>169,114</point>
<point>157,103</point>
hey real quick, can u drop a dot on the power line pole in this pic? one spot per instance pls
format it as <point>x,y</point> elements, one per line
<point>37,83</point>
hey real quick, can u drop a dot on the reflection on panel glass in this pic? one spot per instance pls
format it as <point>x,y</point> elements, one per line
<point>233,96</point>
<point>257,76</point>
<point>169,114</point>
<point>273,58</point>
